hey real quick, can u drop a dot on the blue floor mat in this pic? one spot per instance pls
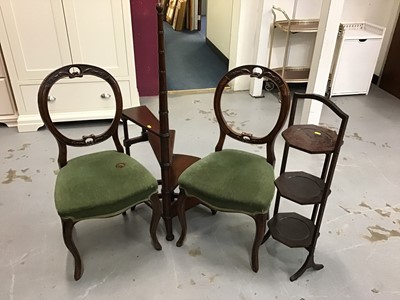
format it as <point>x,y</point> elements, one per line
<point>190,62</point>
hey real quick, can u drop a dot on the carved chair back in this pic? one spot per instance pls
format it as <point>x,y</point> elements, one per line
<point>259,72</point>
<point>71,72</point>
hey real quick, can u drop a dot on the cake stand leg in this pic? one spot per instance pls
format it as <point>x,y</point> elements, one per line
<point>266,237</point>
<point>309,263</point>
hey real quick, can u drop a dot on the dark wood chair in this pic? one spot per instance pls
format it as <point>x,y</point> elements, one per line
<point>237,181</point>
<point>100,184</point>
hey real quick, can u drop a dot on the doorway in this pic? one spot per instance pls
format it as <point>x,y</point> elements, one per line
<point>391,71</point>
<point>191,61</point>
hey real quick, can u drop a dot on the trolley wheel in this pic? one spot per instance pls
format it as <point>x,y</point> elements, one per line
<point>269,85</point>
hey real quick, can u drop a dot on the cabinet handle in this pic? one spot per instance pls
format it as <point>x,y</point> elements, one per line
<point>105,96</point>
<point>51,99</point>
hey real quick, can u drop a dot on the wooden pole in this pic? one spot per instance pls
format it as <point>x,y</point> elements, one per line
<point>164,128</point>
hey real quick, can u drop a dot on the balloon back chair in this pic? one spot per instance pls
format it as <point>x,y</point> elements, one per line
<point>100,184</point>
<point>232,180</point>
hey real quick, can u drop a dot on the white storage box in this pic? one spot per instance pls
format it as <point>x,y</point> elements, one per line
<point>357,53</point>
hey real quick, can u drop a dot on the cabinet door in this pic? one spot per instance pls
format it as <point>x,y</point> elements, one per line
<point>6,108</point>
<point>355,66</point>
<point>37,35</point>
<point>96,33</point>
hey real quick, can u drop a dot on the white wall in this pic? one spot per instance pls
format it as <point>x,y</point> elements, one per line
<point>243,38</point>
<point>246,16</point>
<point>300,9</point>
<point>219,23</point>
<point>204,7</point>
<point>239,41</point>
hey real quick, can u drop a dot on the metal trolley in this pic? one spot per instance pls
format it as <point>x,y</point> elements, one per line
<point>289,26</point>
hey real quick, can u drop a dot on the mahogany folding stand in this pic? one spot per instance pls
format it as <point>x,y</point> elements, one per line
<point>160,137</point>
<point>291,228</point>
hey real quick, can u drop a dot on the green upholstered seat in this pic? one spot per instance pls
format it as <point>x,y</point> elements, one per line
<point>101,184</point>
<point>247,187</point>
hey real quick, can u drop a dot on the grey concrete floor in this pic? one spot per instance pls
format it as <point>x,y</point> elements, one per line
<point>359,242</point>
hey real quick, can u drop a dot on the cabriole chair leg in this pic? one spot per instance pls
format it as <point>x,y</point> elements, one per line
<point>156,206</point>
<point>182,217</point>
<point>68,226</point>
<point>260,221</point>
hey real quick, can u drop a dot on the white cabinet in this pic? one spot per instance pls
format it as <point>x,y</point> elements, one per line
<point>8,111</point>
<point>358,50</point>
<point>37,36</point>
<point>86,18</point>
<point>42,35</point>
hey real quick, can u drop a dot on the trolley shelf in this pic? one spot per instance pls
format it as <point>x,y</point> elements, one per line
<point>296,25</point>
<point>294,74</point>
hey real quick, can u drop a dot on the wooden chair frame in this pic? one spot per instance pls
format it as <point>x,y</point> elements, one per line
<point>258,72</point>
<point>78,71</point>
